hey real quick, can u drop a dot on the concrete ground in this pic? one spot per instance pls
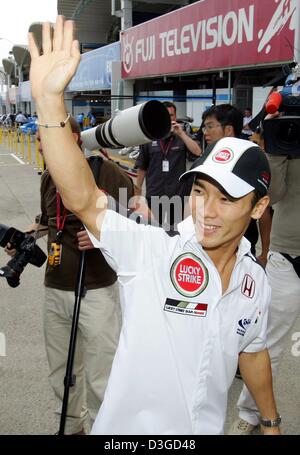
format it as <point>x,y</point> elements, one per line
<point>27,404</point>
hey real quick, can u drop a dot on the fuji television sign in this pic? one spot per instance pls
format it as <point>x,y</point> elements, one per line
<point>208,35</point>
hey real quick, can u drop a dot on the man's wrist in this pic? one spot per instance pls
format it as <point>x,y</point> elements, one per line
<point>50,107</point>
<point>181,133</point>
<point>270,423</point>
<point>264,252</point>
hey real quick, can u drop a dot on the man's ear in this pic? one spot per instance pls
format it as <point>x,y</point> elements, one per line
<point>229,131</point>
<point>260,207</point>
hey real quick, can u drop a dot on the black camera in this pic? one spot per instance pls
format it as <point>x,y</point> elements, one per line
<point>27,252</point>
<point>282,134</point>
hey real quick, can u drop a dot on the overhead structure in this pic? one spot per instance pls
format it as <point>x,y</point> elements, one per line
<point>22,58</point>
<point>93,19</point>
<point>9,67</point>
<point>96,24</point>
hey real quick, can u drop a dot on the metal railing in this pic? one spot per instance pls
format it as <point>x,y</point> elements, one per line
<point>25,146</point>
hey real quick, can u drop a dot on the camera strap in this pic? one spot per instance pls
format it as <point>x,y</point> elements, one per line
<point>60,219</point>
<point>95,163</point>
<point>166,147</point>
<point>165,150</point>
<point>54,255</point>
<point>55,252</point>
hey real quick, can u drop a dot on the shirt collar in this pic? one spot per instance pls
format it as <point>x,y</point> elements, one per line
<point>186,230</point>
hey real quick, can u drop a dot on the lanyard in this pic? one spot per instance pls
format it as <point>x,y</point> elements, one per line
<point>165,149</point>
<point>60,220</point>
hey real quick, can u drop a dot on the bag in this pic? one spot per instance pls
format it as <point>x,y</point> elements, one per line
<point>295,261</point>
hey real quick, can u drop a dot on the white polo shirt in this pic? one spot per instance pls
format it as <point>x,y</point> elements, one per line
<point>180,340</point>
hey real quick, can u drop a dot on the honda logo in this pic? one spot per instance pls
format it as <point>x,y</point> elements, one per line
<point>248,286</point>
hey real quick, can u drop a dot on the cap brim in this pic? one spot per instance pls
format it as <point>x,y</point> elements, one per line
<point>233,185</point>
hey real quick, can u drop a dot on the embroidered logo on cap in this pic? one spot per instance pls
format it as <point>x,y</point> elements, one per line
<point>189,275</point>
<point>266,176</point>
<point>223,156</point>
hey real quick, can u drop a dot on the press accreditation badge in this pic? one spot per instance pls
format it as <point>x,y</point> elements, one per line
<point>165,166</point>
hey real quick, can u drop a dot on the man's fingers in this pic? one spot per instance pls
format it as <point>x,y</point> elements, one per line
<point>81,234</point>
<point>75,50</point>
<point>84,242</point>
<point>47,41</point>
<point>68,36</point>
<point>9,250</point>
<point>58,33</point>
<point>33,49</point>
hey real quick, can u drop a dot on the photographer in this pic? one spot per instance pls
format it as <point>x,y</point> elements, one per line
<point>283,271</point>
<point>162,163</point>
<point>191,308</point>
<point>100,316</point>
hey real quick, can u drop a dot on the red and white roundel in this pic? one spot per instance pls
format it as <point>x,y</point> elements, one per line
<point>223,156</point>
<point>189,275</point>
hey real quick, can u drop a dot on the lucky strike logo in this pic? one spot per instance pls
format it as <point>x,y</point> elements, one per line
<point>223,156</point>
<point>189,275</point>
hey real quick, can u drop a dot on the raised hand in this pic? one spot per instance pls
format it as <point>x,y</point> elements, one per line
<point>51,72</point>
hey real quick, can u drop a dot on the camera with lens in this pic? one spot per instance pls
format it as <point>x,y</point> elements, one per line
<point>282,134</point>
<point>136,125</point>
<point>27,252</point>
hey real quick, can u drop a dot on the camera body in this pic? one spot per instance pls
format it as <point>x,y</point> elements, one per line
<point>282,134</point>
<point>27,252</point>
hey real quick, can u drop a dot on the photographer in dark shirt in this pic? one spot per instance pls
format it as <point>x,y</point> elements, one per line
<point>162,163</point>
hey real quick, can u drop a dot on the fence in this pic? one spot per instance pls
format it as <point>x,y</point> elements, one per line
<point>25,147</point>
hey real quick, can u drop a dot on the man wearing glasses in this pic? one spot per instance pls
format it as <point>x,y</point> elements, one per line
<point>221,121</point>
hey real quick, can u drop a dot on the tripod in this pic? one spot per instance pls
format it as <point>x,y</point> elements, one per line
<point>95,163</point>
<point>70,378</point>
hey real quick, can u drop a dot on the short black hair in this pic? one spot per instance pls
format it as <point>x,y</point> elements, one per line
<point>169,104</point>
<point>256,197</point>
<point>226,114</point>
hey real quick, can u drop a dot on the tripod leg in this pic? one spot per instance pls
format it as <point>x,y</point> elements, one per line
<point>70,378</point>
